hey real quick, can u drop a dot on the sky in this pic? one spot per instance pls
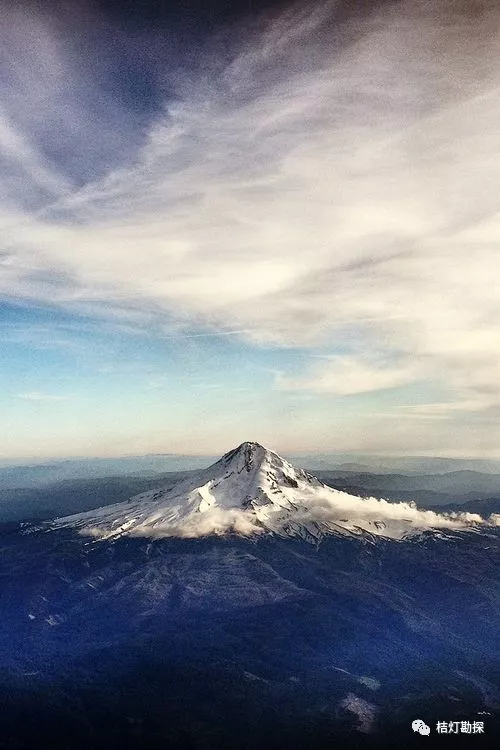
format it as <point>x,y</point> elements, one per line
<point>249,221</point>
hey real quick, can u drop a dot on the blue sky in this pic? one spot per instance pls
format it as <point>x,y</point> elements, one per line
<point>275,223</point>
<point>70,386</point>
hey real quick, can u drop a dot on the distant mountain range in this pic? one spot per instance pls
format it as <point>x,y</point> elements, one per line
<point>397,464</point>
<point>39,498</point>
<point>45,473</point>
<point>453,489</point>
<point>27,474</point>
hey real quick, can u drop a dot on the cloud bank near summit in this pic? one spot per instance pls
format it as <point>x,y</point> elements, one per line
<point>394,519</point>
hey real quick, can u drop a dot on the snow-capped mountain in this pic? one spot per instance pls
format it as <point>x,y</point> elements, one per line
<point>252,490</point>
<point>255,639</point>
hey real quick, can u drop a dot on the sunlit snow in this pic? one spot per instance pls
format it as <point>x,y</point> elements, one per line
<point>252,490</point>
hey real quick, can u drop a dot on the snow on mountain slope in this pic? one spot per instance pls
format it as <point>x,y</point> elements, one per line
<point>252,490</point>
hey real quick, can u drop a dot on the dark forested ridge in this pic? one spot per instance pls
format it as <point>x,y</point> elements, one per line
<point>236,643</point>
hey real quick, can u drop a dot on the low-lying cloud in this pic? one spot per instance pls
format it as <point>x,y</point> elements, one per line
<point>213,522</point>
<point>329,511</point>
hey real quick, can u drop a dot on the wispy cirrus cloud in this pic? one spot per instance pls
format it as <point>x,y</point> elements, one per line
<point>347,375</point>
<point>35,170</point>
<point>319,177</point>
<point>38,396</point>
<point>66,115</point>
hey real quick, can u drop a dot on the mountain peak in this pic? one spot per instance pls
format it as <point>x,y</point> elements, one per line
<point>248,455</point>
<point>258,471</point>
<point>250,488</point>
<point>248,449</point>
<point>253,490</point>
<point>249,445</point>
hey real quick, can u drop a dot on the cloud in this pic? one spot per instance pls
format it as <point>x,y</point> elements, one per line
<point>214,522</point>
<point>37,396</point>
<point>331,509</point>
<point>362,510</point>
<point>65,87</point>
<point>311,180</point>
<point>23,154</point>
<point>447,408</point>
<point>346,375</point>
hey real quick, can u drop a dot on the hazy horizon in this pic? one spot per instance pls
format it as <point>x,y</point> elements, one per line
<point>335,457</point>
